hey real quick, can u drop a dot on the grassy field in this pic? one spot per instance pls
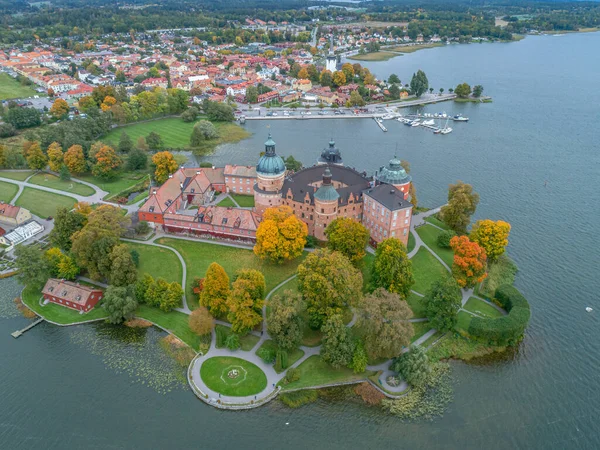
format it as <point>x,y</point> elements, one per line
<point>20,176</point>
<point>247,342</point>
<point>429,235</point>
<point>416,304</point>
<point>420,329</point>
<point>426,270</point>
<point>411,242</point>
<point>54,182</point>
<point>250,380</point>
<point>158,262</point>
<point>176,322</point>
<point>43,204</point>
<point>123,182</point>
<point>7,191</point>
<point>11,88</point>
<point>227,203</point>
<point>501,272</point>
<point>199,255</point>
<point>245,201</point>
<point>315,372</point>
<point>482,308</point>
<point>435,221</point>
<point>464,319</point>
<point>176,133</point>
<point>293,356</point>
<point>376,56</point>
<point>431,339</point>
<point>413,48</point>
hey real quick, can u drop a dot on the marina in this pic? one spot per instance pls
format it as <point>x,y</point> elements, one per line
<point>379,123</point>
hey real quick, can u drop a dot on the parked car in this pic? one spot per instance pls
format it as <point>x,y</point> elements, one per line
<point>269,113</point>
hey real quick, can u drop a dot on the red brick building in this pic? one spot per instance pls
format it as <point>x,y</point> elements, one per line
<point>72,295</point>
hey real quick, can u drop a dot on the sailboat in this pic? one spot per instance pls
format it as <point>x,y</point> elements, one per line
<point>445,130</point>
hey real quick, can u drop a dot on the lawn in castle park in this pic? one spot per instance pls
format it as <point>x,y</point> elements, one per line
<point>43,204</point>
<point>233,376</point>
<point>7,191</point>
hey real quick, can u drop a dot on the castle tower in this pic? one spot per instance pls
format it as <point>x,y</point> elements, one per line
<point>395,175</point>
<point>331,63</point>
<point>326,205</point>
<point>270,172</point>
<point>331,155</point>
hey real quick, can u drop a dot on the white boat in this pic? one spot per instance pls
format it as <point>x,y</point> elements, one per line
<point>446,130</point>
<point>415,123</point>
<point>388,117</point>
<point>460,118</point>
<point>429,122</point>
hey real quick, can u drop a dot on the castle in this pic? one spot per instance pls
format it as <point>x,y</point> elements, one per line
<point>317,195</point>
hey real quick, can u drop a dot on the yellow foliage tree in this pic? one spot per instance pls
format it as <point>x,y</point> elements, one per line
<point>303,74</point>
<point>55,156</point>
<point>339,79</point>
<point>492,236</point>
<point>280,236</point>
<point>59,109</point>
<point>107,103</point>
<point>165,165</point>
<point>215,290</point>
<point>75,159</point>
<point>83,208</point>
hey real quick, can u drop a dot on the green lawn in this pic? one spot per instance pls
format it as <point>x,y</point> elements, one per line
<point>429,235</point>
<point>43,204</point>
<point>500,272</point>
<point>11,88</point>
<point>416,304</point>
<point>293,356</point>
<point>247,342</point>
<point>199,255</point>
<point>245,201</point>
<point>426,270</point>
<point>365,268</point>
<point>176,322</point>
<point>435,221</point>
<point>227,203</point>
<point>464,319</point>
<point>315,372</point>
<point>20,176</point>
<point>482,308</point>
<point>158,262</point>
<point>375,56</point>
<point>250,380</point>
<point>7,191</point>
<point>411,242</point>
<point>54,182</point>
<point>121,183</point>
<point>56,313</point>
<point>420,329</point>
<point>414,48</point>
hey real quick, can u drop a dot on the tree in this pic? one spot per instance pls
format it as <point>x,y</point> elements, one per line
<point>392,270</point>
<point>462,203</point>
<point>292,164</point>
<point>384,324</point>
<point>339,79</point>
<point>348,71</point>
<point>463,90</point>
<point>7,130</point>
<point>201,322</point>
<point>348,237</point>
<point>303,74</point>
<point>123,269</point>
<point>74,159</point>
<point>492,236</point>
<point>444,238</point>
<point>172,298</point>
<point>442,303</point>
<point>202,132</point>
<point>394,92</point>
<point>164,165</point>
<point>337,348</point>
<point>154,141</point>
<point>108,102</point>
<point>216,290</point>
<point>66,223</point>
<point>326,79</point>
<point>107,163</point>
<point>141,143</point>
<point>218,112</point>
<point>412,192</point>
<point>33,267</point>
<point>87,105</point>
<point>477,90</point>
<point>64,173</point>
<point>356,99</point>
<point>360,359</point>
<point>125,143</point>
<point>23,117</point>
<point>191,114</point>
<point>285,321</point>
<point>251,94</point>
<point>120,303</point>
<point>59,109</point>
<point>470,261</point>
<point>328,282</point>
<point>137,160</point>
<point>441,91</point>
<point>67,268</point>
<point>419,83</point>
<point>36,160</point>
<point>393,79</point>
<point>55,157</point>
<point>245,301</point>
<point>280,236</point>
<point>413,366</point>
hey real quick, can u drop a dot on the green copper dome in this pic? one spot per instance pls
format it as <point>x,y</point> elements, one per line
<point>393,173</point>
<point>327,193</point>
<point>270,163</point>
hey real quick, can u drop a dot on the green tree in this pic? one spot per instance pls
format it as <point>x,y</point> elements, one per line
<point>477,90</point>
<point>326,78</point>
<point>337,348</point>
<point>393,79</point>
<point>218,112</point>
<point>392,270</point>
<point>123,269</point>
<point>66,223</point>
<point>413,366</point>
<point>245,301</point>
<point>120,303</point>
<point>462,203</point>
<point>202,132</point>
<point>190,114</point>
<point>125,143</point>
<point>394,92</point>
<point>356,99</point>
<point>172,297</point>
<point>23,117</point>
<point>251,94</point>
<point>36,160</point>
<point>442,303</point>
<point>419,83</point>
<point>348,237</point>
<point>360,359</point>
<point>232,342</point>
<point>216,290</point>
<point>292,163</point>
<point>137,160</point>
<point>154,141</point>
<point>33,267</point>
<point>285,321</point>
<point>463,90</point>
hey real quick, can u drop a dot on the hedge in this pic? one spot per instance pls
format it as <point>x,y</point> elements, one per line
<point>506,330</point>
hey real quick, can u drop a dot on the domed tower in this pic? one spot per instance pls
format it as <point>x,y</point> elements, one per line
<point>270,172</point>
<point>326,205</point>
<point>395,175</point>
<point>331,155</point>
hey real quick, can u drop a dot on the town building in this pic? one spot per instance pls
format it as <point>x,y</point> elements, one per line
<point>72,295</point>
<point>13,215</point>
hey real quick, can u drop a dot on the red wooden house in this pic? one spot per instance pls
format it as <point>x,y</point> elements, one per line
<point>72,295</point>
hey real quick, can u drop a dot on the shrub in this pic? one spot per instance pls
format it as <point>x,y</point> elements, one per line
<point>291,376</point>
<point>266,354</point>
<point>281,360</point>
<point>444,238</point>
<point>7,130</point>
<point>232,342</point>
<point>221,336</point>
<point>298,398</point>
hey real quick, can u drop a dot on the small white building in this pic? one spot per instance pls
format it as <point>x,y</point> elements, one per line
<point>21,234</point>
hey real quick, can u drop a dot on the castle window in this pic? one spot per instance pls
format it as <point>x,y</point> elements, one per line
<point>405,231</point>
<point>311,217</point>
<point>407,212</point>
<point>393,233</point>
<point>322,210</point>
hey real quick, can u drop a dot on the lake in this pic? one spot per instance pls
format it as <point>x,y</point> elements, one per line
<point>533,156</point>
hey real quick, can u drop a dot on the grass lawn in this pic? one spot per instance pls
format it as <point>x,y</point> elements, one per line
<point>249,381</point>
<point>315,372</point>
<point>227,203</point>
<point>7,191</point>
<point>429,235</point>
<point>416,304</point>
<point>20,176</point>
<point>43,204</point>
<point>431,339</point>
<point>293,356</point>
<point>247,342</point>
<point>365,268</point>
<point>121,183</point>
<point>411,242</point>
<point>176,133</point>
<point>56,313</point>
<point>420,329</point>
<point>482,308</point>
<point>54,182</point>
<point>199,255</point>
<point>176,322</point>
<point>413,48</point>
<point>464,319</point>
<point>376,56</point>
<point>426,270</point>
<point>11,88</point>
<point>501,272</point>
<point>158,262</point>
<point>245,201</point>
<point>435,221</point>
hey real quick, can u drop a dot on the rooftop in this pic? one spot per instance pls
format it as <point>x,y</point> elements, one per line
<point>70,291</point>
<point>388,196</point>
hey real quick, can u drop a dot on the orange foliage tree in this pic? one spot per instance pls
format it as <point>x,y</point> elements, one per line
<point>492,236</point>
<point>59,109</point>
<point>107,103</point>
<point>107,163</point>
<point>470,261</point>
<point>165,165</point>
<point>74,159</point>
<point>280,236</point>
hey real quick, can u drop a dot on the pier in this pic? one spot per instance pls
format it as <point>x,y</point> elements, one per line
<point>18,333</point>
<point>379,124</point>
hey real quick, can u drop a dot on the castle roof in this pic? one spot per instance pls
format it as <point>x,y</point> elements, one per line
<point>393,173</point>
<point>270,163</point>
<point>388,196</point>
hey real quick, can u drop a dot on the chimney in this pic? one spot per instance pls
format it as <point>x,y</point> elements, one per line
<point>170,176</point>
<point>197,172</point>
<point>154,192</point>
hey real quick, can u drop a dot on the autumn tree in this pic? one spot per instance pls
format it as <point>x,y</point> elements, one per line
<point>55,156</point>
<point>107,163</point>
<point>462,203</point>
<point>339,79</point>
<point>141,144</point>
<point>245,301</point>
<point>412,192</point>
<point>123,270</point>
<point>285,321</point>
<point>36,160</point>
<point>107,103</point>
<point>356,99</point>
<point>492,236</point>
<point>280,236</point>
<point>392,270</point>
<point>303,74</point>
<point>442,303</point>
<point>60,264</point>
<point>326,79</point>
<point>74,159</point>
<point>201,322</point>
<point>215,290</point>
<point>120,303</point>
<point>470,261</point>
<point>59,109</point>
<point>384,324</point>
<point>164,165</point>
<point>328,282</point>
<point>463,90</point>
<point>337,348</point>
<point>348,71</point>
<point>348,237</point>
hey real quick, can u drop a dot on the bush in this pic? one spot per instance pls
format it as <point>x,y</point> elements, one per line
<point>142,227</point>
<point>281,360</point>
<point>291,376</point>
<point>232,342</point>
<point>266,354</point>
<point>506,330</point>
<point>444,238</point>
<point>7,130</point>
<point>298,398</point>
<point>221,336</point>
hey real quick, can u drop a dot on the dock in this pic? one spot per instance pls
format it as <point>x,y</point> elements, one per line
<point>379,124</point>
<point>18,333</point>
